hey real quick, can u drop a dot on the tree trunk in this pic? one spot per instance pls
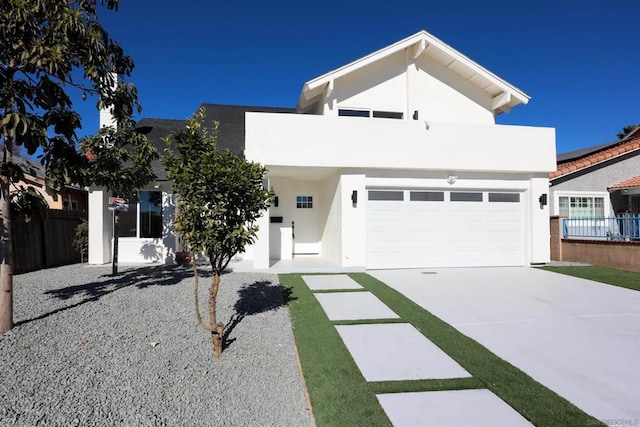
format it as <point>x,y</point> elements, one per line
<point>217,333</point>
<point>6,258</point>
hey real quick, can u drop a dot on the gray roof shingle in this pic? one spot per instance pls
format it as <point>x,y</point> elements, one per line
<point>231,128</point>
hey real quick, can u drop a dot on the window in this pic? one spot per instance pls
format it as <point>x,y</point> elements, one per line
<point>304,202</point>
<point>466,197</point>
<point>387,114</point>
<point>426,196</point>
<point>504,197</point>
<point>348,112</point>
<point>386,195</point>
<point>343,112</point>
<point>70,205</point>
<point>144,217</point>
<point>581,206</point>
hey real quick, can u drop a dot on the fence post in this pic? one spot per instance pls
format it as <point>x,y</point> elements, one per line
<point>556,236</point>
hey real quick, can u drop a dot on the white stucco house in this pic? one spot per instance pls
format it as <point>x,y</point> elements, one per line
<point>392,161</point>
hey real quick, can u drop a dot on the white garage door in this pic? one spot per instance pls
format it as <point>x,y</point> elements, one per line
<point>432,228</point>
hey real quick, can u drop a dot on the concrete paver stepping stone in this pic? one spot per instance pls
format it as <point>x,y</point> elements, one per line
<point>354,306</point>
<point>326,282</point>
<point>476,408</point>
<point>397,351</point>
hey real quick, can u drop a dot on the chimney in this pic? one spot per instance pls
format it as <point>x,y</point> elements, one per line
<point>106,118</point>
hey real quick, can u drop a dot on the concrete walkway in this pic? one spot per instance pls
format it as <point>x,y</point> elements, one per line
<point>577,337</point>
<point>405,355</point>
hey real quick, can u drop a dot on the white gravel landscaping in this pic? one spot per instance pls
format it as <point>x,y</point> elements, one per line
<point>93,350</point>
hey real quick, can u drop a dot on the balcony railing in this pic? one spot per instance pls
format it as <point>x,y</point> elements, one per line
<point>623,227</point>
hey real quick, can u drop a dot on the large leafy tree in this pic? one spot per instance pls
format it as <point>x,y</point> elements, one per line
<point>220,196</point>
<point>47,49</point>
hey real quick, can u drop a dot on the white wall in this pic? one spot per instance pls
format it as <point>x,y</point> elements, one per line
<point>539,232</point>
<point>130,249</point>
<point>330,218</point>
<point>100,227</point>
<point>401,84</point>
<point>276,139</point>
<point>380,86</point>
<point>354,220</point>
<point>443,96</point>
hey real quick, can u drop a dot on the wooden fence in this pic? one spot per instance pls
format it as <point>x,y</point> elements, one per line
<point>44,244</point>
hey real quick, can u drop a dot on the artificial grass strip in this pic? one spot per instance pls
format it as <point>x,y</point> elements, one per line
<point>338,392</point>
<point>367,321</point>
<point>537,403</point>
<point>610,276</point>
<point>380,387</point>
<point>332,291</point>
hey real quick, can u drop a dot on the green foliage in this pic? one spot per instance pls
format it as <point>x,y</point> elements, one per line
<point>220,195</point>
<point>81,238</point>
<point>625,131</point>
<point>28,204</point>
<point>47,47</point>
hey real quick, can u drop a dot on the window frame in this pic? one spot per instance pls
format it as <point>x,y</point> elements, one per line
<point>304,202</point>
<point>134,204</point>
<point>582,195</point>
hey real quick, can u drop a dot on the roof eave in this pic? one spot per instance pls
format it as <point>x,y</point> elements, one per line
<point>422,42</point>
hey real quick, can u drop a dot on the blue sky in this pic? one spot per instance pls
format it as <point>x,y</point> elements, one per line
<point>578,61</point>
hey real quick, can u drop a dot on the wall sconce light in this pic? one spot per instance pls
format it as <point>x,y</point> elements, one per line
<point>354,198</point>
<point>156,185</point>
<point>452,179</point>
<point>275,201</point>
<point>543,200</point>
<point>415,115</point>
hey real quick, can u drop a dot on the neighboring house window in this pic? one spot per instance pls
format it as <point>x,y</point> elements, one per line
<point>304,202</point>
<point>70,205</point>
<point>581,206</point>
<point>144,217</point>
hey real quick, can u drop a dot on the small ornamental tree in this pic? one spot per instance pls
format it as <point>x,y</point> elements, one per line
<point>220,195</point>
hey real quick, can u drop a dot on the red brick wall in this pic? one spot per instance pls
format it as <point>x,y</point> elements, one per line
<point>609,253</point>
<point>616,254</point>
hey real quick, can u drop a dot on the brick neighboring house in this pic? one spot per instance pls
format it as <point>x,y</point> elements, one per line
<point>598,181</point>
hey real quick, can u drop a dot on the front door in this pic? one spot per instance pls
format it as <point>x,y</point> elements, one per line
<point>305,224</point>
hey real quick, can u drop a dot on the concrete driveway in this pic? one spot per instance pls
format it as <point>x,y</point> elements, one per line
<point>577,337</point>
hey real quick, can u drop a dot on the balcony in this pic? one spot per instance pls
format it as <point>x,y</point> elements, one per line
<point>355,142</point>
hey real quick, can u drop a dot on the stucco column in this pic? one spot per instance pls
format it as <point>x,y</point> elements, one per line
<point>539,233</point>
<point>261,246</point>
<point>100,227</point>
<point>354,220</point>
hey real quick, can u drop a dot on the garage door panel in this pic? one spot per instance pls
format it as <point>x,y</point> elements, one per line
<point>415,232</point>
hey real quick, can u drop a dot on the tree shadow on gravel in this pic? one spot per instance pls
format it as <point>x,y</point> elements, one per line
<point>141,278</point>
<point>258,297</point>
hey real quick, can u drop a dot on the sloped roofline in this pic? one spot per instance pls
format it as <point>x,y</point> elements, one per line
<point>509,97</point>
<point>594,156</point>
